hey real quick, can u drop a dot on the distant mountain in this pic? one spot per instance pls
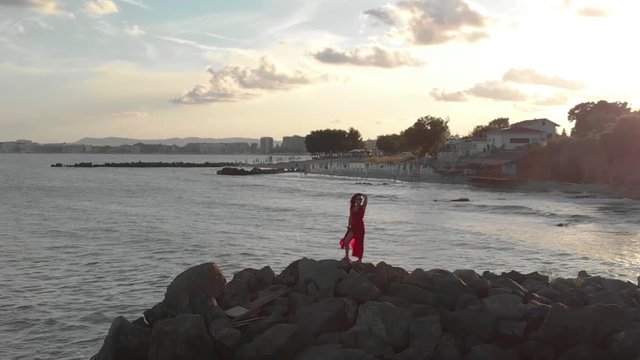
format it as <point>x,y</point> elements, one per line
<point>117,141</point>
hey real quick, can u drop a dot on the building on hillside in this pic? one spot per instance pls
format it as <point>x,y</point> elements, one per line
<point>266,145</point>
<point>454,149</point>
<point>536,131</point>
<point>545,125</point>
<point>293,143</point>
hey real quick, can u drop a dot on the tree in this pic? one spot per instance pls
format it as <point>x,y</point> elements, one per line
<point>426,135</point>
<point>354,139</point>
<point>333,141</point>
<point>389,144</point>
<point>590,117</point>
<point>495,124</point>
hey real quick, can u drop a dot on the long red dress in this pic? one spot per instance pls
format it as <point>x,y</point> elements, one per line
<point>357,229</point>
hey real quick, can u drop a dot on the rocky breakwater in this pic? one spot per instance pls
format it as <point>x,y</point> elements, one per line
<point>328,309</point>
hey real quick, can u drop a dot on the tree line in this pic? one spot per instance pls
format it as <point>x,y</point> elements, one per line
<point>426,136</point>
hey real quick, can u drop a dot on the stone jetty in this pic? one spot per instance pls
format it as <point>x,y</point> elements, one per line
<point>146,164</point>
<point>253,171</point>
<point>329,309</point>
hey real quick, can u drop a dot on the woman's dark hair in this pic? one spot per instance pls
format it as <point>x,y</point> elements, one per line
<point>353,198</point>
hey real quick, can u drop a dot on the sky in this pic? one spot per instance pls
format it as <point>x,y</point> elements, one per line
<point>250,68</point>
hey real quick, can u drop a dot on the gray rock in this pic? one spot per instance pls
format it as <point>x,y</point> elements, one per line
<point>535,350</point>
<point>387,322</point>
<point>489,352</point>
<point>465,322</point>
<point>510,328</point>
<point>509,285</point>
<point>290,275</point>
<point>593,324</point>
<point>358,287</point>
<point>384,273</point>
<point>182,337</point>
<point>333,352</point>
<point>438,281</point>
<point>411,293</point>
<point>447,348</point>
<point>281,341</point>
<point>625,345</point>
<point>319,278</point>
<point>585,352</point>
<point>194,287</point>
<point>325,316</point>
<point>506,306</point>
<point>125,341</point>
<point>236,294</point>
<point>425,333</point>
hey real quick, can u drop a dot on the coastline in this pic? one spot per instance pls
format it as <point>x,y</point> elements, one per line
<point>402,172</point>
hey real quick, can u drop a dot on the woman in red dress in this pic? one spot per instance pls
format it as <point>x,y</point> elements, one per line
<point>354,237</point>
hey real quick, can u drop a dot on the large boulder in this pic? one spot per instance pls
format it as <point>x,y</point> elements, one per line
<point>505,306</point>
<point>194,287</point>
<point>125,341</point>
<point>182,337</point>
<point>625,345</point>
<point>489,352</point>
<point>319,278</point>
<point>281,341</point>
<point>425,333</point>
<point>358,287</point>
<point>333,352</point>
<point>566,327</point>
<point>411,293</point>
<point>387,322</point>
<point>328,315</point>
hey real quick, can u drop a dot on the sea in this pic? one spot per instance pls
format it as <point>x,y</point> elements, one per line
<point>81,246</point>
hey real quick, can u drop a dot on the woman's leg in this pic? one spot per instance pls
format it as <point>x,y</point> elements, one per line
<point>347,240</point>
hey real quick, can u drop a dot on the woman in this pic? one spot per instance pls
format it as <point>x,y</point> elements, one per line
<point>354,237</point>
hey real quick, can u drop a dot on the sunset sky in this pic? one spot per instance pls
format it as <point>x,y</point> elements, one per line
<point>228,68</point>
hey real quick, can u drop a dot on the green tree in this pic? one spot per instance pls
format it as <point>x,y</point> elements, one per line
<point>426,135</point>
<point>390,144</point>
<point>328,141</point>
<point>495,124</point>
<point>354,139</point>
<point>591,118</point>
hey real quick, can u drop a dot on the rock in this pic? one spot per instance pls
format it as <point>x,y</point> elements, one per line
<point>124,342</point>
<point>411,293</point>
<point>515,276</point>
<point>256,280</point>
<point>333,352</point>
<point>318,278</point>
<point>388,322</point>
<point>324,316</point>
<point>585,352</point>
<point>358,287</point>
<point>447,348</point>
<point>425,333</point>
<point>237,293</point>
<point>565,327</point>
<point>281,341</point>
<point>195,286</point>
<point>182,337</point>
<point>511,330</point>
<point>438,281</point>
<point>383,274</point>
<point>507,306</point>
<point>535,350</point>
<point>508,285</point>
<point>489,352</point>
<point>463,323</point>
<point>462,199</point>
<point>290,275</point>
<point>474,281</point>
<point>535,313</point>
<point>625,345</point>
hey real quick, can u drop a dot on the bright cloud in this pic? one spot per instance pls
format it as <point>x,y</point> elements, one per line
<point>45,6</point>
<point>529,76</point>
<point>101,7</point>
<point>134,30</point>
<point>458,96</point>
<point>593,12</point>
<point>494,90</point>
<point>234,83</point>
<point>428,22</point>
<point>367,56</point>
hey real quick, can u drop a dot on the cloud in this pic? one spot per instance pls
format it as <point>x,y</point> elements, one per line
<point>494,90</point>
<point>428,22</point>
<point>133,114</point>
<point>529,76</point>
<point>382,15</point>
<point>593,12</point>
<point>100,7</point>
<point>457,96</point>
<point>44,6</point>
<point>136,3</point>
<point>234,83</point>
<point>134,30</point>
<point>497,90</point>
<point>553,101</point>
<point>367,56</point>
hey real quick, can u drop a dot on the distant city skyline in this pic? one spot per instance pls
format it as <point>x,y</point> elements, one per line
<point>271,68</point>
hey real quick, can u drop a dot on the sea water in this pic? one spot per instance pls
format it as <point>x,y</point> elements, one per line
<point>80,246</point>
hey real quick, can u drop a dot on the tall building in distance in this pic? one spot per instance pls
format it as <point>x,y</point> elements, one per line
<point>266,145</point>
<point>293,144</point>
